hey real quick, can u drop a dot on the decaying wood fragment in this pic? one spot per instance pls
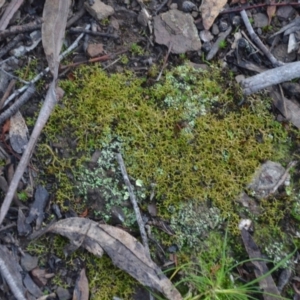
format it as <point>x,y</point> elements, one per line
<point>281,74</point>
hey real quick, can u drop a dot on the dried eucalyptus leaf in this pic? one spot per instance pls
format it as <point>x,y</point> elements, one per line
<point>210,9</point>
<point>55,16</point>
<point>18,133</point>
<point>126,252</point>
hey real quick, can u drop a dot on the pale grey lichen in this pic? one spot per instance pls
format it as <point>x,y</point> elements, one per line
<point>194,103</point>
<point>107,179</point>
<point>277,253</point>
<point>192,223</point>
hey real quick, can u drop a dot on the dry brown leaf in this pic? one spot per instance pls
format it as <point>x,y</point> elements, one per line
<point>5,127</point>
<point>55,16</point>
<point>81,290</point>
<point>210,9</point>
<point>271,10</point>
<point>126,252</point>
<point>266,283</point>
<point>10,10</point>
<point>18,132</point>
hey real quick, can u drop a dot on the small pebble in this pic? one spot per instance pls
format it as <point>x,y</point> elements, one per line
<point>206,47</point>
<point>188,6</point>
<point>206,36</point>
<point>223,26</point>
<point>63,294</point>
<point>236,21</point>
<point>195,14</point>
<point>215,29</point>
<point>285,12</point>
<point>260,20</point>
<point>29,262</point>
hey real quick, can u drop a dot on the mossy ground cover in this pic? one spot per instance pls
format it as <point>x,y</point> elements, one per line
<point>186,136</point>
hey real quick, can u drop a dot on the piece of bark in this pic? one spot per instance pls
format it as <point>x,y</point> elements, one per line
<point>36,212</point>
<point>267,285</point>
<point>260,81</point>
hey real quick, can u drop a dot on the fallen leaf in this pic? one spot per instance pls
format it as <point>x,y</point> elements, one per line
<point>84,213</point>
<point>55,16</point>
<point>40,276</point>
<point>11,271</point>
<point>210,9</point>
<point>271,10</point>
<point>31,286</point>
<point>10,10</point>
<point>5,127</point>
<point>37,208</point>
<point>81,290</point>
<point>126,252</point>
<point>18,132</point>
<point>266,283</point>
<point>288,108</point>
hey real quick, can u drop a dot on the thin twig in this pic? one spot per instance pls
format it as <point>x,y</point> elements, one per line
<point>165,61</point>
<point>96,33</point>
<point>93,60</point>
<point>15,107</point>
<point>250,42</point>
<point>14,77</point>
<point>76,17</point>
<point>238,9</point>
<point>41,74</point>
<point>258,42</point>
<point>10,45</point>
<point>134,204</point>
<point>7,92</point>
<point>9,278</point>
<point>20,29</point>
<point>283,177</point>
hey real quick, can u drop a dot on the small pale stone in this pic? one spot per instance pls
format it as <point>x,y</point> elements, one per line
<point>215,29</point>
<point>206,36</point>
<point>260,20</point>
<point>94,50</point>
<point>99,10</point>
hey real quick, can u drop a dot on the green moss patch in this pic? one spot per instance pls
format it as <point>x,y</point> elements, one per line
<point>186,136</point>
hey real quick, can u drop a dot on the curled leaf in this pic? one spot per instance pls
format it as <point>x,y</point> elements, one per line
<point>126,252</point>
<point>55,16</point>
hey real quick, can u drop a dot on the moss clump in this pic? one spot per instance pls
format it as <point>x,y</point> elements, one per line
<point>186,135</point>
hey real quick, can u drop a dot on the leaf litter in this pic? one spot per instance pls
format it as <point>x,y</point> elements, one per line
<point>53,30</point>
<point>126,252</point>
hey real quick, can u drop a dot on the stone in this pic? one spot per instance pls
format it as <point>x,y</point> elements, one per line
<point>223,26</point>
<point>215,29</point>
<point>29,262</point>
<point>99,10</point>
<point>176,29</point>
<point>285,12</point>
<point>63,294</point>
<point>260,20</point>
<point>94,50</point>
<point>206,36</point>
